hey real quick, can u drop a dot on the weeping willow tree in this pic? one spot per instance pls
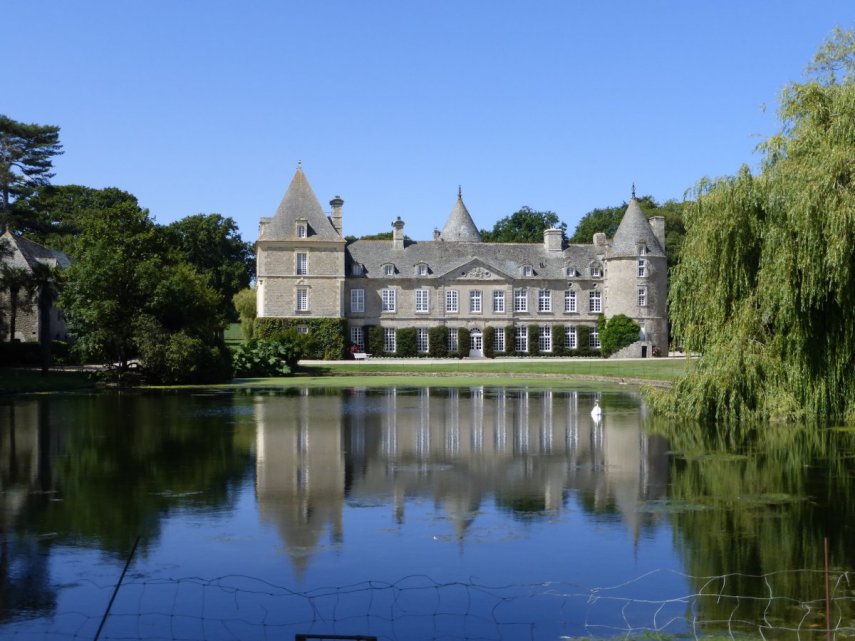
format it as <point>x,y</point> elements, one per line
<point>765,290</point>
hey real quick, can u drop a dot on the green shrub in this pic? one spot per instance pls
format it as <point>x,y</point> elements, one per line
<point>489,342</point>
<point>406,343</point>
<point>374,340</point>
<point>616,333</point>
<point>464,342</point>
<point>262,357</point>
<point>559,348</point>
<point>438,342</point>
<point>173,358</point>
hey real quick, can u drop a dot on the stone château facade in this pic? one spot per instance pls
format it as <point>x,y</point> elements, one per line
<point>534,297</point>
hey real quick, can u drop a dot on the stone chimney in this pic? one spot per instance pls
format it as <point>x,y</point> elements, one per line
<point>437,234</point>
<point>657,223</point>
<point>335,213</point>
<point>398,234</point>
<point>600,239</point>
<point>552,239</point>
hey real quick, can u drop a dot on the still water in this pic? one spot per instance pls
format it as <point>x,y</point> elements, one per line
<point>475,513</point>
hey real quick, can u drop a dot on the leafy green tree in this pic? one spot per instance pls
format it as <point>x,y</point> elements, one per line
<point>606,220</point>
<point>523,226</point>
<point>53,214</point>
<point>212,244</point>
<point>766,287</point>
<point>245,302</point>
<point>616,333</point>
<point>26,160</point>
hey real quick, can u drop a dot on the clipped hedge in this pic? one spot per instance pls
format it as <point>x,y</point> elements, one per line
<point>463,342</point>
<point>438,342</point>
<point>489,342</point>
<point>406,343</point>
<point>326,337</point>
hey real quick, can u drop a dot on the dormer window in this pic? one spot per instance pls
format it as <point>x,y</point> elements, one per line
<point>527,271</point>
<point>571,272</point>
<point>302,229</point>
<point>357,269</point>
<point>642,250</point>
<point>596,270</point>
<point>388,269</point>
<point>422,269</point>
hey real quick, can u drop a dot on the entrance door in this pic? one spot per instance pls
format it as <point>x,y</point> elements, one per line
<point>476,349</point>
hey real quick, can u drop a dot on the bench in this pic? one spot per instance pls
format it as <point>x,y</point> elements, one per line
<point>361,356</point>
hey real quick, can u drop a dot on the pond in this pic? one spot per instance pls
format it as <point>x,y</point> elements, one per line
<point>414,513</point>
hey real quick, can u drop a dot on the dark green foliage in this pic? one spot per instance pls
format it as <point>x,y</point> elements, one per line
<point>558,341</point>
<point>438,342</point>
<point>374,340</point>
<point>606,220</point>
<point>20,354</point>
<point>324,339</point>
<point>616,333</point>
<point>178,357</point>
<point>489,342</point>
<point>523,226</point>
<point>510,341</point>
<point>26,160</point>
<point>262,357</point>
<point>464,342</point>
<point>533,344</point>
<point>406,343</point>
<point>212,244</point>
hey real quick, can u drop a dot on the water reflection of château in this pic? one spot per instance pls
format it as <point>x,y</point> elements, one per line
<point>529,451</point>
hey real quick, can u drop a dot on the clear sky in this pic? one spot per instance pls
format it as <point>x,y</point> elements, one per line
<point>208,106</point>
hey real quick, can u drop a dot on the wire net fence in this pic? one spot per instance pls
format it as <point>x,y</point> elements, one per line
<point>417,607</point>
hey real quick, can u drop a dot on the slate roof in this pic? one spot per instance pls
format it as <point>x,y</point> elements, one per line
<point>460,226</point>
<point>633,230</point>
<point>300,202</point>
<point>445,258</point>
<point>33,253</point>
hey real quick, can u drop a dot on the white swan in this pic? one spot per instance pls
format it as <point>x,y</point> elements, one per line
<point>596,413</point>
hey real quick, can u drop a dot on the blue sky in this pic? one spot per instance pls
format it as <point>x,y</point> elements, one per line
<point>208,106</point>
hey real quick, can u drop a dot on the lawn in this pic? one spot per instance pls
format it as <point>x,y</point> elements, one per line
<point>19,381</point>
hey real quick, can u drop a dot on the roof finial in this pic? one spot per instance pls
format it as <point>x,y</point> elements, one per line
<point>459,191</point>
<point>299,164</point>
<point>633,190</point>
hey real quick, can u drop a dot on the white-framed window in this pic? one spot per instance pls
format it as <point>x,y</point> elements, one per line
<point>422,300</point>
<point>521,300</point>
<point>452,301</point>
<point>302,230</point>
<point>642,297</point>
<point>570,270</point>
<point>302,299</point>
<point>544,339</point>
<point>475,301</point>
<point>642,250</point>
<point>596,270</point>
<point>302,329</point>
<point>390,340</point>
<point>302,263</point>
<point>357,300</point>
<point>453,339</point>
<point>642,268</point>
<point>527,271</point>
<point>422,340</point>
<point>422,269</point>
<point>499,339</point>
<point>570,337</point>
<point>544,300</point>
<point>570,300</point>
<point>594,338</point>
<point>357,337</point>
<point>595,301</point>
<point>388,270</point>
<point>356,269</point>
<point>389,298</point>
<point>498,301</point>
<point>521,339</point>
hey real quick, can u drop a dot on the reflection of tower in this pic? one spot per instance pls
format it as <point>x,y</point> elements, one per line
<point>300,473</point>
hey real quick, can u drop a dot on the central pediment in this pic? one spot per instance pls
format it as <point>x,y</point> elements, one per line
<point>475,269</point>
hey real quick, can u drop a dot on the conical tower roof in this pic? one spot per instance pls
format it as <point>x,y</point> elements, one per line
<point>300,202</point>
<point>634,230</point>
<point>460,226</point>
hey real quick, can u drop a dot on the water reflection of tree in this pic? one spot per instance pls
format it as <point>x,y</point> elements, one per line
<point>756,504</point>
<point>102,470</point>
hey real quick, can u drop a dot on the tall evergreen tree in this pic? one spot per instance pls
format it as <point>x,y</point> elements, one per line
<point>26,160</point>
